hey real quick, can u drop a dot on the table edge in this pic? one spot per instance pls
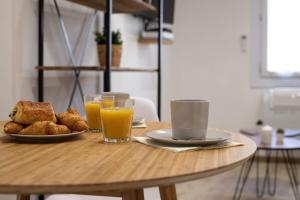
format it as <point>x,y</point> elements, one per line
<point>83,188</point>
<point>69,189</point>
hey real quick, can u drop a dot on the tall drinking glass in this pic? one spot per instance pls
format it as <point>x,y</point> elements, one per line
<point>117,121</point>
<point>93,104</point>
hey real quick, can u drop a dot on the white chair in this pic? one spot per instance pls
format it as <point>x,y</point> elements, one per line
<point>143,108</point>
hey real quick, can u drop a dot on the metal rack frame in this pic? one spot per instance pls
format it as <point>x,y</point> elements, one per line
<point>107,71</point>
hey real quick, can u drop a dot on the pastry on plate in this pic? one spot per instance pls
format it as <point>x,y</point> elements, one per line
<point>12,127</point>
<point>27,112</point>
<point>72,120</point>
<point>45,128</point>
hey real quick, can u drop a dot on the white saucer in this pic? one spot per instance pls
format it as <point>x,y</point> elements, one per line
<point>138,121</point>
<point>45,138</point>
<point>165,135</point>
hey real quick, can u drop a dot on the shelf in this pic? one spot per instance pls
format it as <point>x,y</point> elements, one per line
<point>119,6</point>
<point>91,68</point>
<point>154,40</point>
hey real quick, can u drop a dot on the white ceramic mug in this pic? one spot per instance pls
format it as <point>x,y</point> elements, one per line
<point>189,119</point>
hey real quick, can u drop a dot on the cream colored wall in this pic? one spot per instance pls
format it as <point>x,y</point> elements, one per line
<point>6,70</point>
<point>208,63</point>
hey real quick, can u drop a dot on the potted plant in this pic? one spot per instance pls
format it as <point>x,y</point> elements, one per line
<point>100,38</point>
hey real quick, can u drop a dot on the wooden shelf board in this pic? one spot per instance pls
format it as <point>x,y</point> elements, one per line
<point>154,40</point>
<point>92,68</point>
<point>119,6</point>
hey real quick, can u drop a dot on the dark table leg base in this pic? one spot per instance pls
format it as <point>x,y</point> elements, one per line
<point>137,194</point>
<point>260,191</point>
<point>23,197</point>
<point>291,167</point>
<point>168,192</point>
<point>244,173</point>
<point>292,172</point>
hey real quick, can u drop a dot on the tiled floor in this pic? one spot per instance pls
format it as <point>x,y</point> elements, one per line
<point>212,188</point>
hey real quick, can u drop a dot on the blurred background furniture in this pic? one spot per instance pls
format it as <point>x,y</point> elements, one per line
<point>144,109</point>
<point>272,153</point>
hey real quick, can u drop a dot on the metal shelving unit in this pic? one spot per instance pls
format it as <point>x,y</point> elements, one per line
<point>153,40</point>
<point>91,68</point>
<point>109,7</point>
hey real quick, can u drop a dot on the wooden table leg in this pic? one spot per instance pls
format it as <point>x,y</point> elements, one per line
<point>168,192</point>
<point>137,194</point>
<point>23,197</point>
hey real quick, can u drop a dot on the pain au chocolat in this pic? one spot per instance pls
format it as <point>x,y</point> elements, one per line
<point>45,128</point>
<point>72,120</point>
<point>27,112</point>
<point>12,127</point>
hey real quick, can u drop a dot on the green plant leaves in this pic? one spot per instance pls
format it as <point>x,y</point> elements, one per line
<point>100,37</point>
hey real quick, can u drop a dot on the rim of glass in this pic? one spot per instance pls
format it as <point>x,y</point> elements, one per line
<point>97,97</point>
<point>189,100</point>
<point>124,100</point>
<point>123,103</point>
<point>114,93</point>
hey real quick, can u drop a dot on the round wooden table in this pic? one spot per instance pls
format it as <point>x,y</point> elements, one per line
<point>88,166</point>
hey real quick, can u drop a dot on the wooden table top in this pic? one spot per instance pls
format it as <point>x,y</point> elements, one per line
<point>87,165</point>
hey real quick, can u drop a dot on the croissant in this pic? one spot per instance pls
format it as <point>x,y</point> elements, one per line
<point>12,127</point>
<point>27,112</point>
<point>72,120</point>
<point>45,128</point>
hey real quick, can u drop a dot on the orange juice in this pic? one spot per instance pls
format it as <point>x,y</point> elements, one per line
<point>116,123</point>
<point>106,103</point>
<point>92,110</point>
<point>93,115</point>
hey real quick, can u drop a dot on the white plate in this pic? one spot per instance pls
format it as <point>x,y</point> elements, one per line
<point>45,138</point>
<point>138,121</point>
<point>165,135</point>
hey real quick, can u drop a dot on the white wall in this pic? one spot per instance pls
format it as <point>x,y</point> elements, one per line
<point>6,82</point>
<point>208,63</point>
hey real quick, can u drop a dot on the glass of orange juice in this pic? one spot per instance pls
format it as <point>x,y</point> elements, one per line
<point>93,105</point>
<point>116,121</point>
